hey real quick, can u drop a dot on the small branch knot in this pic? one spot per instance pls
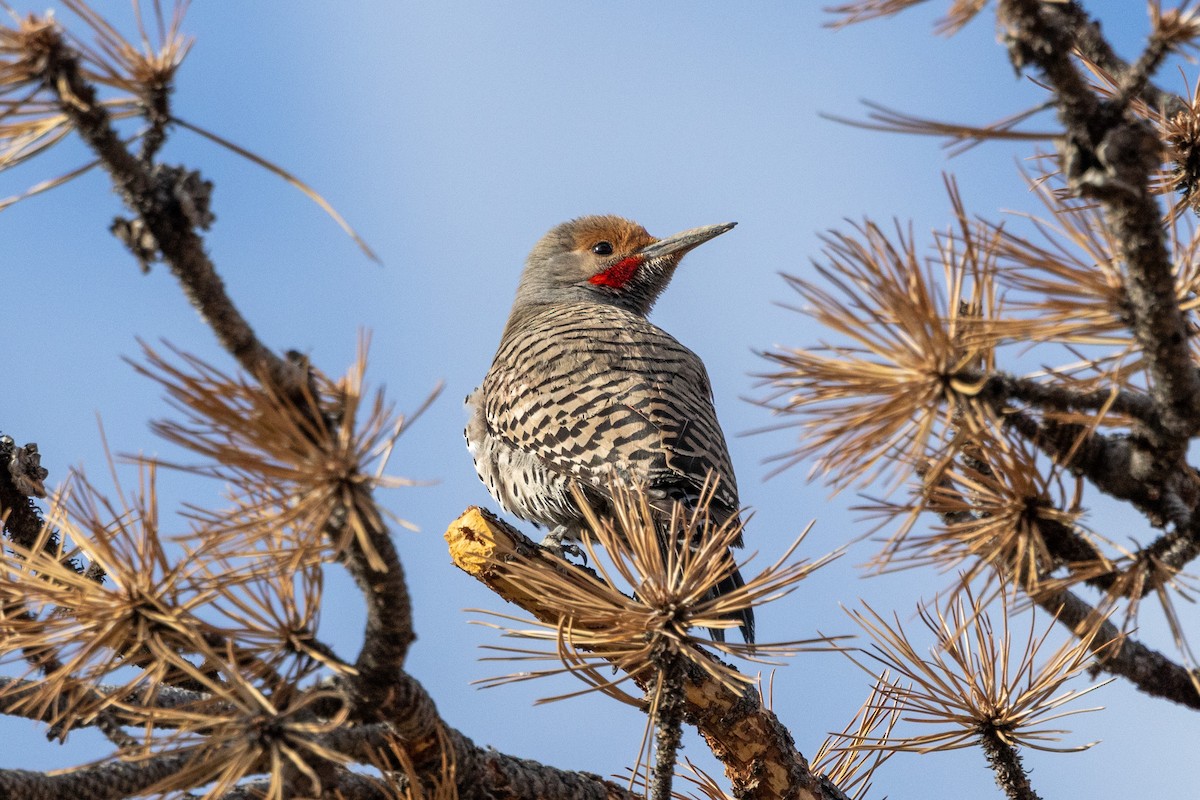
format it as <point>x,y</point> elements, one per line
<point>24,467</point>
<point>174,188</point>
<point>190,191</point>
<point>134,234</point>
<point>1126,152</point>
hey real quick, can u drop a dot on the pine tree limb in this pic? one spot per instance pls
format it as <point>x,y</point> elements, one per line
<point>758,752</point>
<point>171,206</point>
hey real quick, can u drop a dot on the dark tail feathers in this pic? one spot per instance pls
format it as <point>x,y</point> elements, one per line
<point>745,619</point>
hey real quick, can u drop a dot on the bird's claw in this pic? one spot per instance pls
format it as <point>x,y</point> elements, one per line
<point>577,551</point>
<point>554,542</point>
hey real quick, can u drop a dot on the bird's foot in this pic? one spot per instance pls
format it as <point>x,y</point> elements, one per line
<point>553,542</point>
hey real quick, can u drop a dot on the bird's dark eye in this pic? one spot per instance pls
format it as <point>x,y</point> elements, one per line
<point>602,248</point>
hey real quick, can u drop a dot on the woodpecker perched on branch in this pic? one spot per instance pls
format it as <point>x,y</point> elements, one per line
<point>585,389</point>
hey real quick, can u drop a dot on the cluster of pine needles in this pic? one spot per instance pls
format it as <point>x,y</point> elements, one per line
<point>203,647</point>
<point>910,391</point>
<point>136,76</point>
<point>947,368</point>
<point>644,621</point>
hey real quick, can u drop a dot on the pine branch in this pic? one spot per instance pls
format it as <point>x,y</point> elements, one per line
<point>1117,653</point>
<point>486,774</point>
<point>1109,155</point>
<point>111,780</point>
<point>1005,762</point>
<point>759,755</point>
<point>668,708</point>
<point>1092,45</point>
<point>162,200</point>
<point>1148,670</point>
<point>116,778</point>
<point>1174,549</point>
<point>170,204</point>
<point>15,692</point>
<point>21,477</point>
<point>346,785</point>
<point>1002,387</point>
<point>1106,462</point>
<point>388,631</point>
<point>1111,464</point>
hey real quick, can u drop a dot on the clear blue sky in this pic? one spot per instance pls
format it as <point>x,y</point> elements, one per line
<point>452,135</point>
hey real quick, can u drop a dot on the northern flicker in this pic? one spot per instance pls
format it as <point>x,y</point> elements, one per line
<point>585,388</point>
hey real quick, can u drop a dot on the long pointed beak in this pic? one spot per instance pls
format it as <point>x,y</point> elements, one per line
<point>680,243</point>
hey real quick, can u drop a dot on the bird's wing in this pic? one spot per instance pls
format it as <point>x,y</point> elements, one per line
<point>604,394</point>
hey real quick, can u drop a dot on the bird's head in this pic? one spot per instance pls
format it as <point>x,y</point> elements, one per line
<point>607,260</point>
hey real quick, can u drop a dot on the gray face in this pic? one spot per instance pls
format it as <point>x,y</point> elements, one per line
<point>591,259</point>
<point>605,259</point>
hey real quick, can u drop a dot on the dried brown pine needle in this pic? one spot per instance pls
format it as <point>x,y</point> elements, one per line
<point>1177,27</point>
<point>273,614</point>
<point>960,137</point>
<point>140,69</point>
<point>401,780</point>
<point>1174,121</point>
<point>877,403</point>
<point>310,468</point>
<point>24,47</point>
<point>30,121</point>
<point>261,549</point>
<point>1070,278</point>
<point>31,117</point>
<point>708,786</point>
<point>278,171</point>
<point>974,680</point>
<point>960,13</point>
<point>104,618</point>
<point>27,130</point>
<point>1071,284</point>
<point>843,760</point>
<point>1179,130</point>
<point>239,730</point>
<point>657,588</point>
<point>863,10</point>
<point>1067,285</point>
<point>1142,574</point>
<point>78,627</point>
<point>996,510</point>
